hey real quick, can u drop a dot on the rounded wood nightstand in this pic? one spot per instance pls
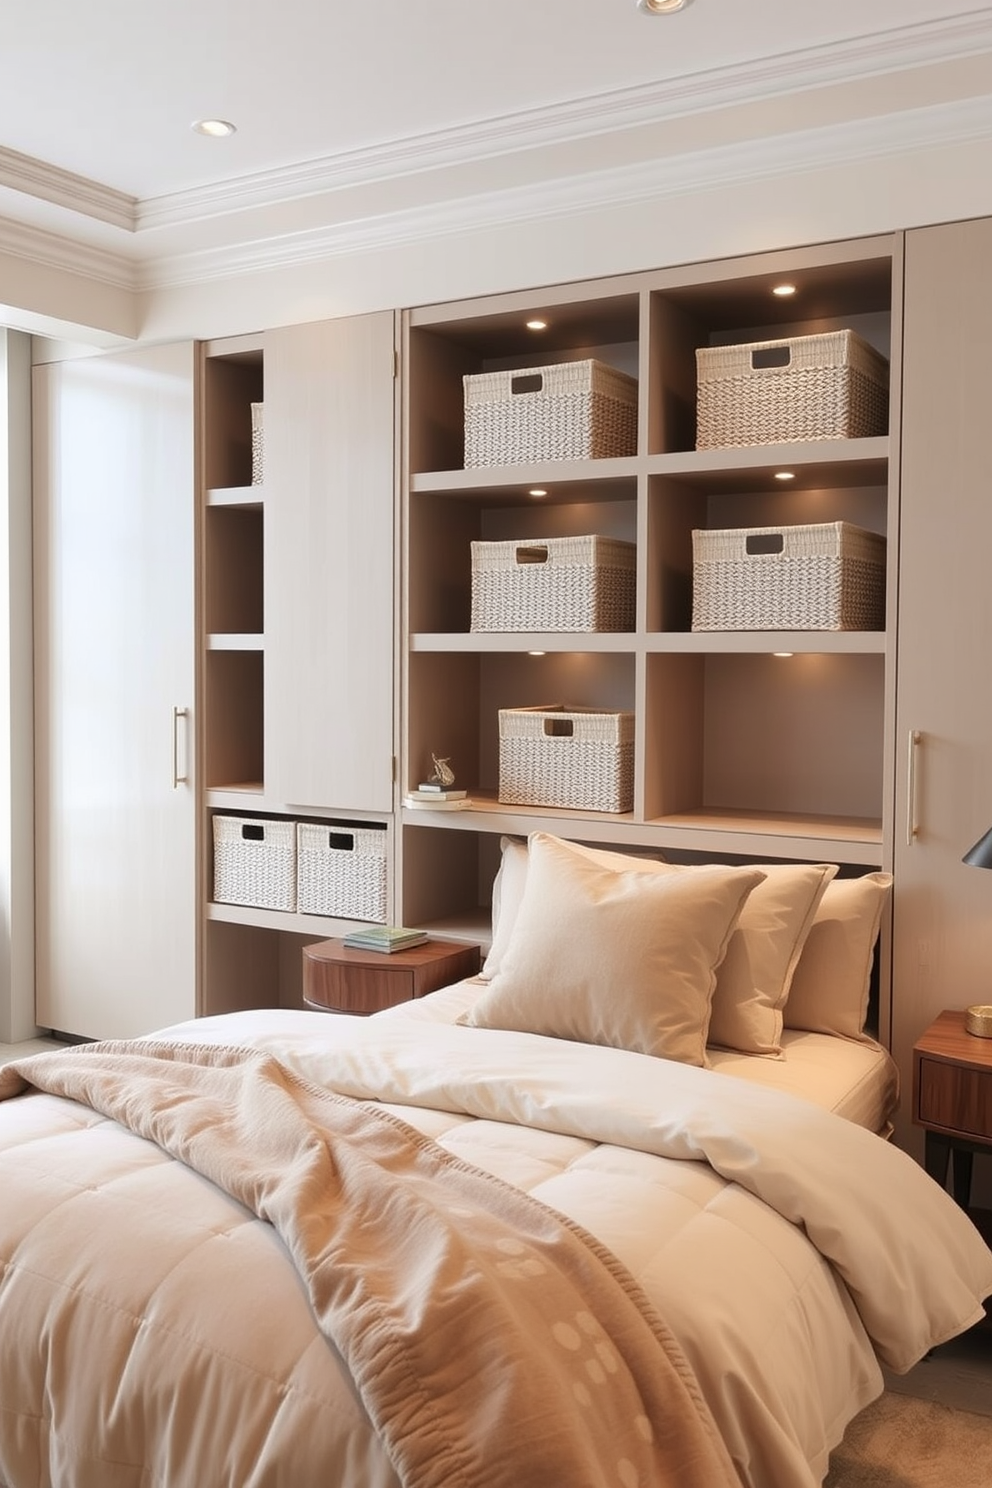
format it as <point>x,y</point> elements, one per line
<point>338,978</point>
<point>952,1099</point>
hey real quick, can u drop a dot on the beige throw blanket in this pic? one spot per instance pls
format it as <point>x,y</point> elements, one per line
<point>491,1340</point>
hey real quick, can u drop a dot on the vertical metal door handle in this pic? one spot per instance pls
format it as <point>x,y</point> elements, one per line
<point>177,779</point>
<point>912,820</point>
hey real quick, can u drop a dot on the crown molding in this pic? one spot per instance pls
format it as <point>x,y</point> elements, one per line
<point>603,114</point>
<point>687,174</point>
<point>60,188</point>
<point>50,250</point>
<point>902,49</point>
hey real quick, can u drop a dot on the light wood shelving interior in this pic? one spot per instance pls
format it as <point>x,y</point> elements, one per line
<point>739,749</point>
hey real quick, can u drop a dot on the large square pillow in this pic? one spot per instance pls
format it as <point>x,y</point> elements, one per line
<point>830,986</point>
<point>625,957</point>
<point>754,980</point>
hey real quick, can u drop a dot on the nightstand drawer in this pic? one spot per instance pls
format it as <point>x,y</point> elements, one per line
<point>955,1099</point>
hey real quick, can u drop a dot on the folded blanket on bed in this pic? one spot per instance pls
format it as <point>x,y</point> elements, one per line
<point>912,1261</point>
<point>492,1341</point>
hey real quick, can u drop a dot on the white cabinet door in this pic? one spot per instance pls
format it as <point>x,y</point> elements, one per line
<point>114,668</point>
<point>329,564</point>
<point>942,933</point>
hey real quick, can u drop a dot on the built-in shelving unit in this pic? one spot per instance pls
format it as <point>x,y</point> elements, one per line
<point>250,567</point>
<point>739,748</point>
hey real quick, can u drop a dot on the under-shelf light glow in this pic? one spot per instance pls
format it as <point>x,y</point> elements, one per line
<point>537,492</point>
<point>783,654</point>
<point>537,325</point>
<point>785,475</point>
<point>784,290</point>
<point>536,653</point>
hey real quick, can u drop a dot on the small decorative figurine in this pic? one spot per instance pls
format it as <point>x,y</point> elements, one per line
<point>442,774</point>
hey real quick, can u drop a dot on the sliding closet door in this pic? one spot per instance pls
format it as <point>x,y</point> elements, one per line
<point>114,676</point>
<point>942,932</point>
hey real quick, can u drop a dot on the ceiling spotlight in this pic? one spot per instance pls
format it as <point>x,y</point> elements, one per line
<point>662,7</point>
<point>214,128</point>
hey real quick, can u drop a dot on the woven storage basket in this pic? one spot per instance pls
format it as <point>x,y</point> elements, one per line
<point>553,583</point>
<point>828,386</point>
<point>255,862</point>
<point>570,411</point>
<point>341,870</point>
<point>829,576</point>
<point>580,759</point>
<point>257,444</point>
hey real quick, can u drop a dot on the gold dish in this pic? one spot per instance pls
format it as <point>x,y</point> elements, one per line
<point>978,1020</point>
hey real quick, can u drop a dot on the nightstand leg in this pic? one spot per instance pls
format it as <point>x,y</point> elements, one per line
<point>936,1151</point>
<point>961,1167</point>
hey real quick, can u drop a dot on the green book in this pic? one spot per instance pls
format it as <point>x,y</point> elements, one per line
<point>384,938</point>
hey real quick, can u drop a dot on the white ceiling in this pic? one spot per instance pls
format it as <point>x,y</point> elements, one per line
<point>352,112</point>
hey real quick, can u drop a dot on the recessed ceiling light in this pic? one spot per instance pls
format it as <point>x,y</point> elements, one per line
<point>662,7</point>
<point>214,128</point>
<point>784,290</point>
<point>537,325</point>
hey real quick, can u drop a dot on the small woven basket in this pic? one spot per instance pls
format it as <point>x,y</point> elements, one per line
<point>569,411</point>
<point>579,759</point>
<point>257,444</point>
<point>553,583</point>
<point>826,576</point>
<point>828,386</point>
<point>341,870</point>
<point>255,862</point>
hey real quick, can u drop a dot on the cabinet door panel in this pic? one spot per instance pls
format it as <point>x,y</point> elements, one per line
<point>329,564</point>
<point>114,656</point>
<point>942,940</point>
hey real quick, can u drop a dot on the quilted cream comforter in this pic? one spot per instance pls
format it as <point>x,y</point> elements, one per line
<point>154,1330</point>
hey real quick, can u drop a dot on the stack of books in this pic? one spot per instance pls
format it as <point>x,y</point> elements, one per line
<point>434,797</point>
<point>384,938</point>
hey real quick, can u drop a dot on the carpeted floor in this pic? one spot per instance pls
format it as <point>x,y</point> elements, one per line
<point>903,1442</point>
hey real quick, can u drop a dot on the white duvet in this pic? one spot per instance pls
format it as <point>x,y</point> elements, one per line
<point>788,1249</point>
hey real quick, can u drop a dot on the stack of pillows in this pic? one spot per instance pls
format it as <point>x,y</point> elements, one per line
<point>606,948</point>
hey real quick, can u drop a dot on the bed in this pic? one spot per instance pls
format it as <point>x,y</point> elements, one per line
<point>283,1247</point>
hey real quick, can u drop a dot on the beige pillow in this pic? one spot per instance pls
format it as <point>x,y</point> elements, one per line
<point>508,888</point>
<point>756,976</point>
<point>754,979</point>
<point>620,957</point>
<point>829,992</point>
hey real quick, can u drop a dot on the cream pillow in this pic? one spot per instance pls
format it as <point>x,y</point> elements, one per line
<point>620,957</point>
<point>755,977</point>
<point>829,992</point>
<point>508,889</point>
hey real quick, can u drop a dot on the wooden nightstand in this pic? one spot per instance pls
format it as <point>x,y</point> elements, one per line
<point>338,978</point>
<point>952,1099</point>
